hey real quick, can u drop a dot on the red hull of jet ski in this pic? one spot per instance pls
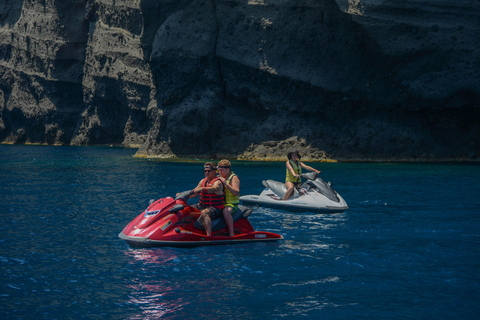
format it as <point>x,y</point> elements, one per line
<point>172,222</point>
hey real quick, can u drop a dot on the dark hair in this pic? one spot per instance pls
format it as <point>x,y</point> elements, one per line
<point>289,155</point>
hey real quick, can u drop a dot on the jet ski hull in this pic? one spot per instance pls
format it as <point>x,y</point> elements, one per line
<point>173,223</point>
<point>195,240</point>
<point>315,196</point>
<point>290,205</point>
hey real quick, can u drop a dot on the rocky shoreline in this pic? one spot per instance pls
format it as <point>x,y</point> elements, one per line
<point>335,79</point>
<point>280,157</point>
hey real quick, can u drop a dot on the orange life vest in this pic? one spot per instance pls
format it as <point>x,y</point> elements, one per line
<point>212,199</point>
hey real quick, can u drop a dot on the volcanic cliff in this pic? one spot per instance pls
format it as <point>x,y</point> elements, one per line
<point>246,79</point>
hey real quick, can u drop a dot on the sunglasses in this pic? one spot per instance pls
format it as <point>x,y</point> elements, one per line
<point>207,170</point>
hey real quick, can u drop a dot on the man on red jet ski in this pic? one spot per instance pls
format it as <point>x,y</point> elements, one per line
<point>232,192</point>
<point>212,196</point>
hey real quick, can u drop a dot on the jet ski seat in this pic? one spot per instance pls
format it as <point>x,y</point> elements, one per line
<point>279,188</point>
<point>219,223</point>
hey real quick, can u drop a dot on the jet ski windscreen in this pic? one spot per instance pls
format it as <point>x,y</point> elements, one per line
<point>324,189</point>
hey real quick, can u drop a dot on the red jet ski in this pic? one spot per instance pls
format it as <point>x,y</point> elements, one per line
<point>172,222</point>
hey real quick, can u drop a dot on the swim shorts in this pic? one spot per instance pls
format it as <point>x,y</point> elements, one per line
<point>234,207</point>
<point>213,213</point>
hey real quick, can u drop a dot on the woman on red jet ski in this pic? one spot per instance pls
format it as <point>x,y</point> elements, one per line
<point>212,196</point>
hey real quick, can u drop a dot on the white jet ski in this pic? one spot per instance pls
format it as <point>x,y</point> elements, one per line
<point>314,195</point>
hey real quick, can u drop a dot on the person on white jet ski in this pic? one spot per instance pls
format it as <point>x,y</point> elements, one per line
<point>294,170</point>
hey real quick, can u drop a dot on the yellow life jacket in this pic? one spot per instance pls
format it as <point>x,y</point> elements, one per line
<point>297,169</point>
<point>230,198</point>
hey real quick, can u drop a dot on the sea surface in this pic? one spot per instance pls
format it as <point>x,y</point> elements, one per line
<point>408,247</point>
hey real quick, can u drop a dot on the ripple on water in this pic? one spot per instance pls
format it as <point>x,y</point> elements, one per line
<point>408,247</point>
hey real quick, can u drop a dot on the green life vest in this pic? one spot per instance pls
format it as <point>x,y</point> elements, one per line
<point>297,169</point>
<point>230,198</point>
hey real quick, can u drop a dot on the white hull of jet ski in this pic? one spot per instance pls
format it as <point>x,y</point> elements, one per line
<point>315,195</point>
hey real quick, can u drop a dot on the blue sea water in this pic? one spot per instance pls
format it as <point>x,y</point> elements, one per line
<point>408,247</point>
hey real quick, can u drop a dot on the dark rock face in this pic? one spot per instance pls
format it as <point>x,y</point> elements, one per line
<point>42,53</point>
<point>345,79</point>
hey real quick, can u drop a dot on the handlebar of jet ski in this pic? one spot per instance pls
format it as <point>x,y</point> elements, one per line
<point>184,195</point>
<point>309,175</point>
